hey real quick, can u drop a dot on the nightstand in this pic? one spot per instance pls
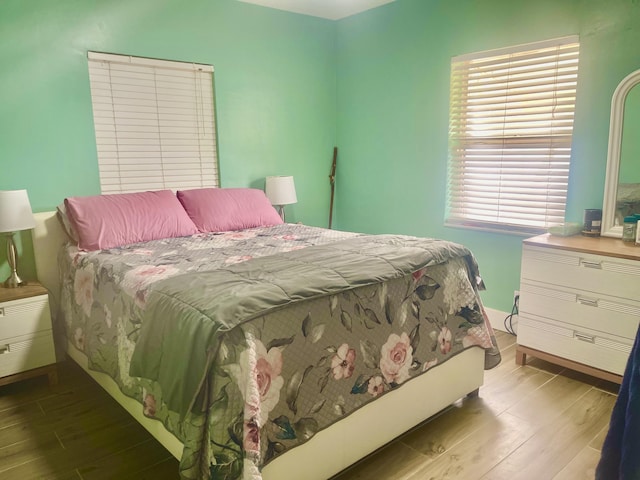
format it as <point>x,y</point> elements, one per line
<point>26,336</point>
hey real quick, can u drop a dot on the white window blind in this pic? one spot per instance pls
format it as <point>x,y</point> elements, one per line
<point>510,131</point>
<point>154,122</point>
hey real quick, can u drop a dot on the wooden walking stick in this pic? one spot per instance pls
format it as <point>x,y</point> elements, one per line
<point>332,181</point>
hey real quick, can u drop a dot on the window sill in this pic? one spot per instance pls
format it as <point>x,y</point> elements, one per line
<point>515,230</point>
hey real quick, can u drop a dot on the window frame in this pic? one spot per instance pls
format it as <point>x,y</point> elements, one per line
<point>474,146</point>
<point>154,123</point>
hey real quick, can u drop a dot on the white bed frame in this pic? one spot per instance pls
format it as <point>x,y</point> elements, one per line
<point>329,451</point>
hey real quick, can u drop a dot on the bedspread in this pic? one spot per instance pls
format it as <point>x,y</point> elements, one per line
<point>289,372</point>
<point>195,309</point>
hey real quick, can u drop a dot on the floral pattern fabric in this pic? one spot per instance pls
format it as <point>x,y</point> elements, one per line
<point>280,379</point>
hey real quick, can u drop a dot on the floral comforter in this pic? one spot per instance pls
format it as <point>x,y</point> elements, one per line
<point>276,378</point>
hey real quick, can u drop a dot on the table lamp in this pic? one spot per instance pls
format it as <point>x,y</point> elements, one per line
<point>15,215</point>
<point>280,191</point>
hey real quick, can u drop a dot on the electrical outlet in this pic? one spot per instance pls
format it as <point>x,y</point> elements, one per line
<point>516,298</point>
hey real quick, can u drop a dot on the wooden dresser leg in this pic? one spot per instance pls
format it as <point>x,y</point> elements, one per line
<point>521,357</point>
<point>53,376</point>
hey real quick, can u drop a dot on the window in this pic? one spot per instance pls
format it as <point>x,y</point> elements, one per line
<point>511,124</point>
<point>154,123</point>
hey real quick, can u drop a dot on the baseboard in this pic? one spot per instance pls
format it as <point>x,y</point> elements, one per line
<point>496,318</point>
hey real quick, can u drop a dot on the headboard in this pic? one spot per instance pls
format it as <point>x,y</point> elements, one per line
<point>48,236</point>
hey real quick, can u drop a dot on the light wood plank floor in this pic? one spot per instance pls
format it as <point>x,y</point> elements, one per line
<point>533,422</point>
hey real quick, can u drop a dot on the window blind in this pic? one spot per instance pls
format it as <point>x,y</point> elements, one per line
<point>510,131</point>
<point>154,122</point>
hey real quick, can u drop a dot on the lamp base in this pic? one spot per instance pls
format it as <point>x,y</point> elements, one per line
<point>12,256</point>
<point>13,281</point>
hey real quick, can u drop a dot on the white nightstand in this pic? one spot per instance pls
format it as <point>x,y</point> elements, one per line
<point>26,337</point>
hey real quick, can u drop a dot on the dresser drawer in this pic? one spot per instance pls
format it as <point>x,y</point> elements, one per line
<point>606,352</point>
<point>26,352</point>
<point>24,317</point>
<point>611,276</point>
<point>581,310</point>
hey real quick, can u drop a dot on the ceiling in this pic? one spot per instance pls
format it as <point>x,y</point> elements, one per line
<point>331,9</point>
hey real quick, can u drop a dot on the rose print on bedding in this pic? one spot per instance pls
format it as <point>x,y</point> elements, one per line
<point>148,404</point>
<point>376,386</point>
<point>285,237</point>
<point>444,340</point>
<point>83,288</point>
<point>251,436</point>
<point>257,375</point>
<point>417,275</point>
<point>396,356</point>
<point>460,292</point>
<point>343,362</point>
<point>137,280</point>
<point>75,255</point>
<point>239,234</point>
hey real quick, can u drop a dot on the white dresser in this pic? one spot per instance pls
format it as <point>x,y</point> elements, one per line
<point>579,303</point>
<point>26,337</point>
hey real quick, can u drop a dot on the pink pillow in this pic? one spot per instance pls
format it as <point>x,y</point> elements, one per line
<point>224,209</point>
<point>107,221</point>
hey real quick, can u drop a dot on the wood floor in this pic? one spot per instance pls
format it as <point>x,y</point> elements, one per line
<point>533,422</point>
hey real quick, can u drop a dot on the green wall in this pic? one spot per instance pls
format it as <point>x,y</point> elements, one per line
<point>289,87</point>
<point>393,94</point>
<point>274,80</point>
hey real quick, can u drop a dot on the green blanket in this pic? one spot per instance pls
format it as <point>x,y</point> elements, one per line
<point>186,315</point>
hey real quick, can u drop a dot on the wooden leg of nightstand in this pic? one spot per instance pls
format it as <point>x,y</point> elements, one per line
<point>53,376</point>
<point>49,370</point>
<point>521,357</point>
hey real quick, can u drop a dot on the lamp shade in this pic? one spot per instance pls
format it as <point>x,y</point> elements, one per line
<point>280,190</point>
<point>15,211</point>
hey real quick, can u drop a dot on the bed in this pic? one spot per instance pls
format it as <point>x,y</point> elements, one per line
<point>340,342</point>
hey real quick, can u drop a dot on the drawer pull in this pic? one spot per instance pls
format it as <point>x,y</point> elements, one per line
<point>584,338</point>
<point>4,349</point>
<point>590,302</point>
<point>588,264</point>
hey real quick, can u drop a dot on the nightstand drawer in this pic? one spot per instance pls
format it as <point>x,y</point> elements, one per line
<point>592,273</point>
<point>25,316</point>
<point>26,352</point>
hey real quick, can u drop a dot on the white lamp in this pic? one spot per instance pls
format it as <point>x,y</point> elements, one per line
<point>280,191</point>
<point>15,215</point>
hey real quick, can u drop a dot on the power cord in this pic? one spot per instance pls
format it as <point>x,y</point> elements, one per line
<point>508,321</point>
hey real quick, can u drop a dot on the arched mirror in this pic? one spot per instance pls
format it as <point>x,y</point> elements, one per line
<point>622,184</point>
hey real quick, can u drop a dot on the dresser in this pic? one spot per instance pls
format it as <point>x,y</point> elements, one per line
<point>579,303</point>
<point>26,337</point>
